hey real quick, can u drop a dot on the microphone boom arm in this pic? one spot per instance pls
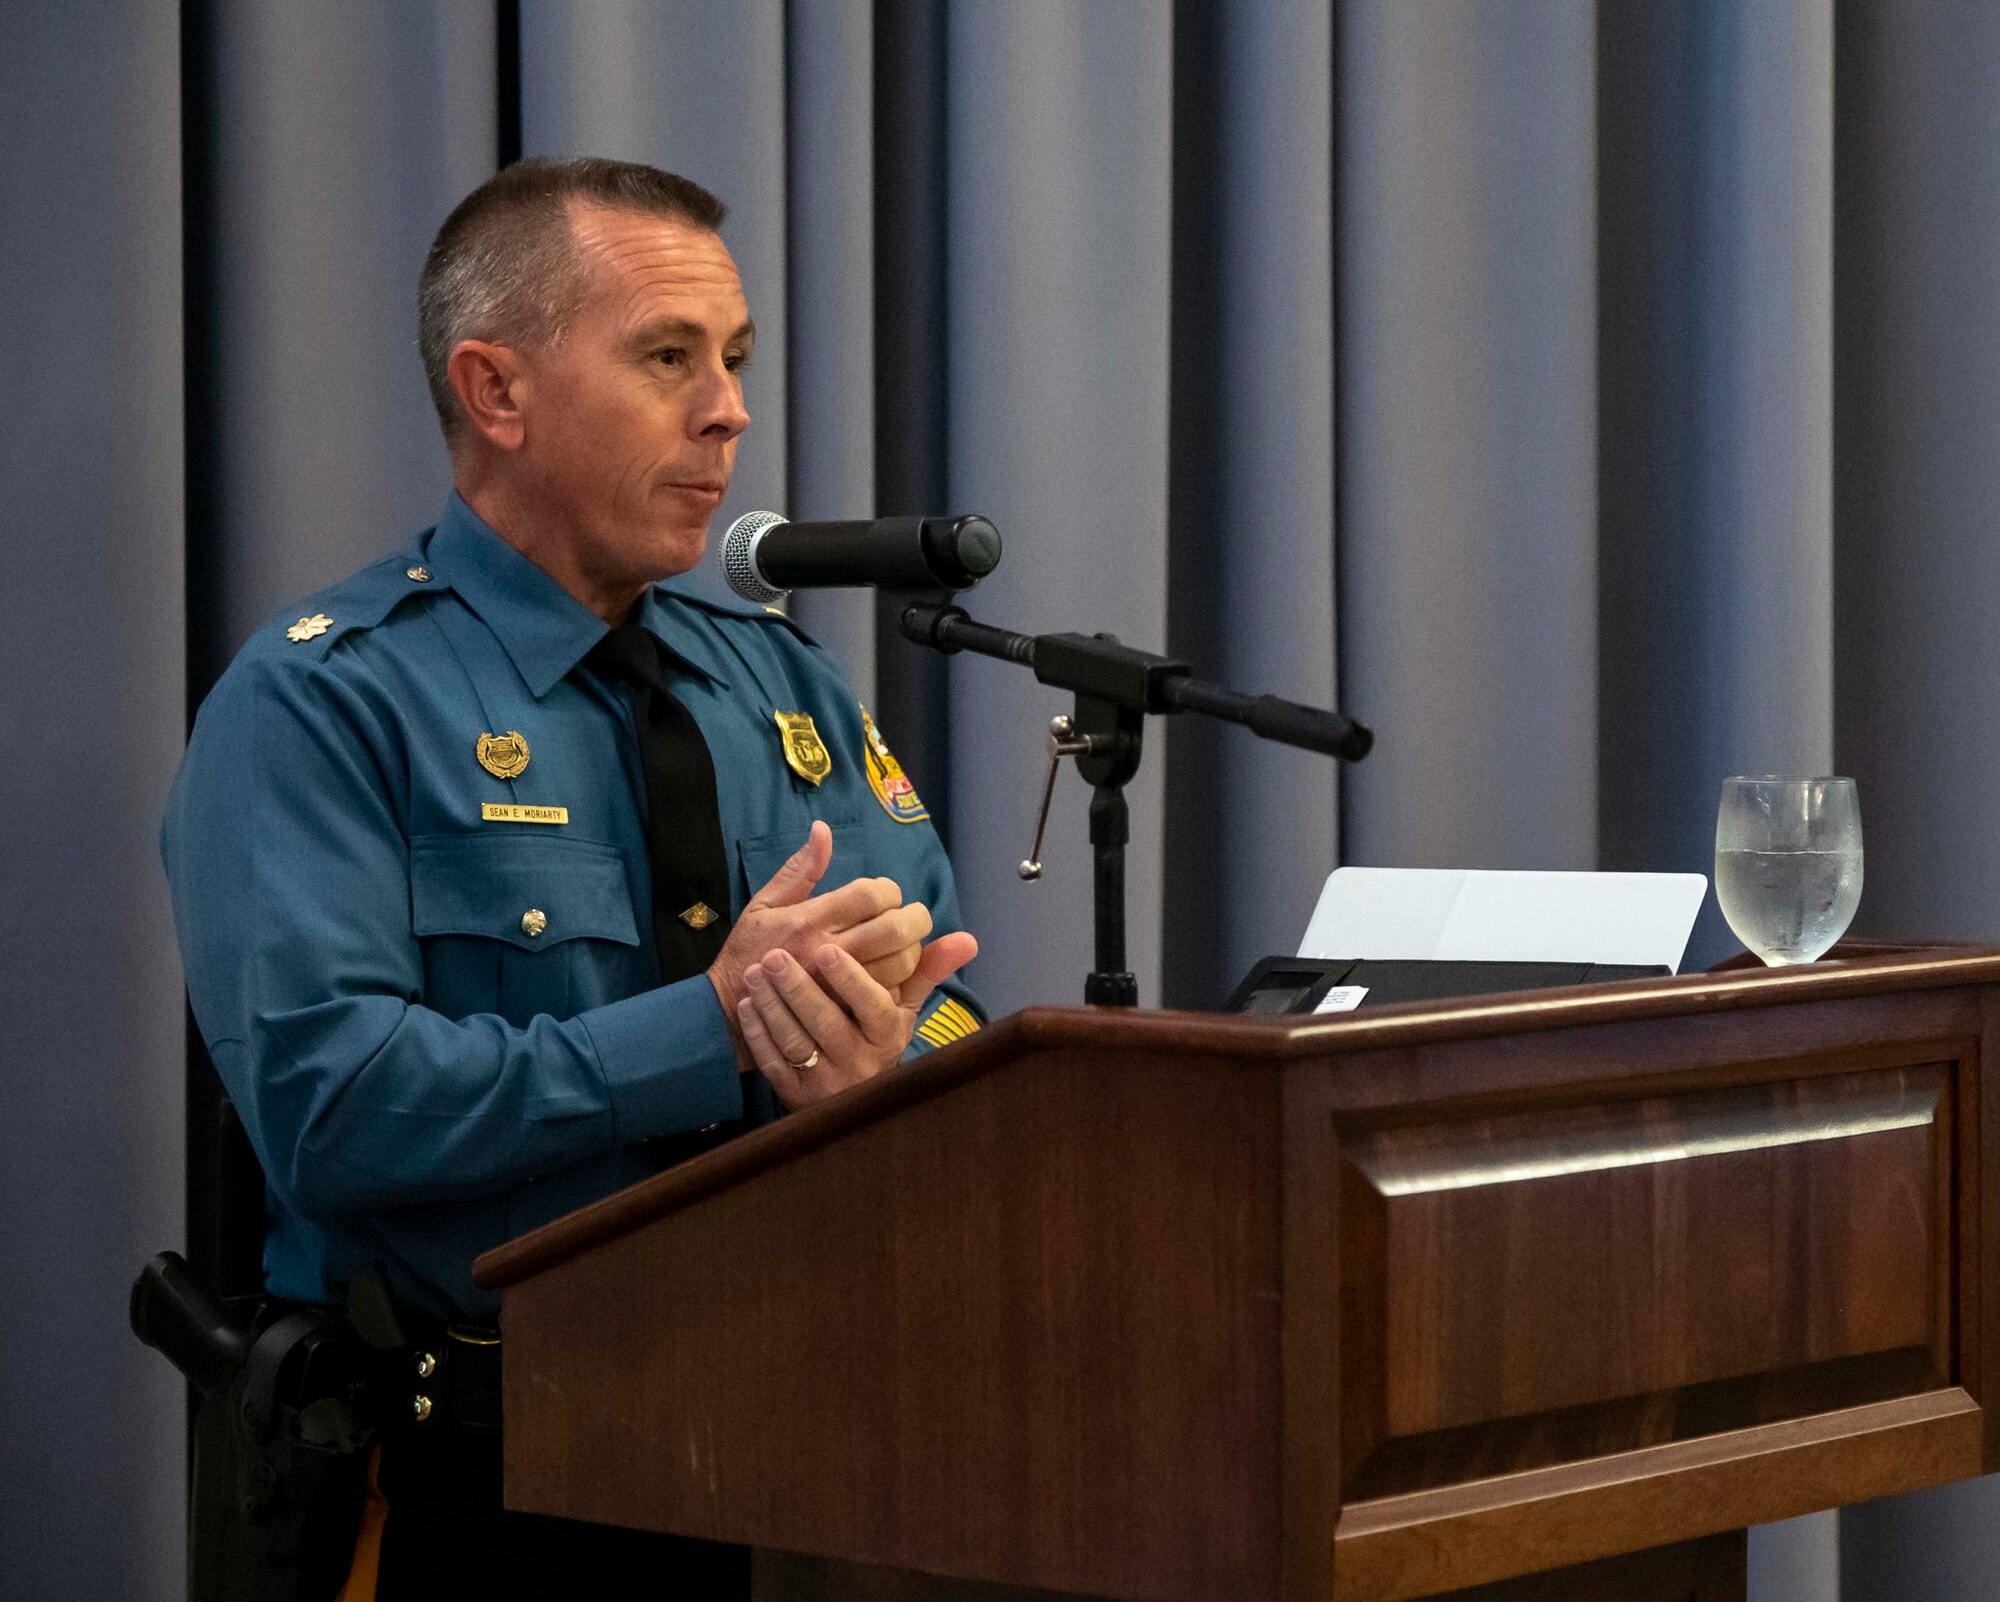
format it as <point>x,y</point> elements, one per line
<point>1115,688</point>
<point>1097,665</point>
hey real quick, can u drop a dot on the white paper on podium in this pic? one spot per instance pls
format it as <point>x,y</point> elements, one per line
<point>1483,915</point>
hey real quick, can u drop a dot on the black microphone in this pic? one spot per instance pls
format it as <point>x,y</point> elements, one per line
<point>765,557</point>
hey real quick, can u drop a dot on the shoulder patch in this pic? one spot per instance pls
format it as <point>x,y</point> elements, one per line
<point>886,778</point>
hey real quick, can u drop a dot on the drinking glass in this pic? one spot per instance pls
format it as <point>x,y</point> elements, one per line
<point>1788,864</point>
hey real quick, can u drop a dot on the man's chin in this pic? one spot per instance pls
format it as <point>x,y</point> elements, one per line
<point>678,548</point>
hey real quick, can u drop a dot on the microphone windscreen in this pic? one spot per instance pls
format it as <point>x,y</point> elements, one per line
<point>739,557</point>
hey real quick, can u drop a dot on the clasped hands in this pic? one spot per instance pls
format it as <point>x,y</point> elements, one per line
<point>823,991</point>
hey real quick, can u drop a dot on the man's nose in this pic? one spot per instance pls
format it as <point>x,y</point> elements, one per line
<point>720,414</point>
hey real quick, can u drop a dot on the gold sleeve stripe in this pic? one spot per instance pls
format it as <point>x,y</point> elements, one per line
<point>950,1021</point>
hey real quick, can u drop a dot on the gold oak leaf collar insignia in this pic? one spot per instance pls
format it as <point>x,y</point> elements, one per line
<point>308,628</point>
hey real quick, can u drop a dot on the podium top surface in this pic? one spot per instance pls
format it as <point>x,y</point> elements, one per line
<point>1870,970</point>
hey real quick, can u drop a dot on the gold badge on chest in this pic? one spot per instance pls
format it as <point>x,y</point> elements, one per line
<point>805,752</point>
<point>505,756</point>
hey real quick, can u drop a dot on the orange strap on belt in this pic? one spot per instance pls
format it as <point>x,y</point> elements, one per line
<point>360,1586</point>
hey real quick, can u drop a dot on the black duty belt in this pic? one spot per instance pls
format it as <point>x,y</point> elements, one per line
<point>453,1379</point>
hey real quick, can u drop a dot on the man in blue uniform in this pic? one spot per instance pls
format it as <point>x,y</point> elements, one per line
<point>505,875</point>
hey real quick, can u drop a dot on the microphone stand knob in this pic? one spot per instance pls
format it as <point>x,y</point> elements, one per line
<point>1063,742</point>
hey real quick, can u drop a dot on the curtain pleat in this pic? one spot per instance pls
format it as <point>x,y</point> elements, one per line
<point>912,359</point>
<point>1917,417</point>
<point>1467,434</point>
<point>1250,478</point>
<point>1715,463</point>
<point>830,276</point>
<point>1059,200</point>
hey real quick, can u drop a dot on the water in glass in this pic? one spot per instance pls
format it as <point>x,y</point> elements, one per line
<point>1788,864</point>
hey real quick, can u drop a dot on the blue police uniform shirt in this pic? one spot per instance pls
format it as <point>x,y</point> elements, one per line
<point>442,1028</point>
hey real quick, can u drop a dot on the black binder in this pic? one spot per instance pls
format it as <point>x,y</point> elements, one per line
<point>1299,984</point>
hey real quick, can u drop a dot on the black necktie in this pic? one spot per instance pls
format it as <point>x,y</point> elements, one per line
<point>683,821</point>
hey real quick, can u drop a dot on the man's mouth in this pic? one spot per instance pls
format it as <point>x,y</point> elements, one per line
<point>709,489</point>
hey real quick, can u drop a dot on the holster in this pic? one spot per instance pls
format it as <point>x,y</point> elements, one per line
<point>280,1468</point>
<point>290,1407</point>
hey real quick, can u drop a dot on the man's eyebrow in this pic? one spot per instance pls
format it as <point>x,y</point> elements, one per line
<point>682,328</point>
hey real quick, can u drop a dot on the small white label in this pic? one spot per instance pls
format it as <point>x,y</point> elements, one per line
<point>516,812</point>
<point>1341,998</point>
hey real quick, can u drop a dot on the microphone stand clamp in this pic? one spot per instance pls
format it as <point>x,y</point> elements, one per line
<point>1105,740</point>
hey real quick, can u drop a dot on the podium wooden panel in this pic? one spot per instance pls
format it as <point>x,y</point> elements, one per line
<point>1184,1307</point>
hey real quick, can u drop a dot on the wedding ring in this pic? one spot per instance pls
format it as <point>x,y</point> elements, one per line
<point>801,1067</point>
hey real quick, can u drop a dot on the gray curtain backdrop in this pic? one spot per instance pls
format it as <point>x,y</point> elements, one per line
<point>1597,398</point>
<point>91,724</point>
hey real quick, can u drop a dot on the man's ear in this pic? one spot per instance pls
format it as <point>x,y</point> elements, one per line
<point>490,386</point>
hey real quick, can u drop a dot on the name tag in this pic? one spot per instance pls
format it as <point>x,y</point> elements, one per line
<point>514,812</point>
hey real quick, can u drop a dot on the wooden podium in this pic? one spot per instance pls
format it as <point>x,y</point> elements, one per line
<point>1161,1305</point>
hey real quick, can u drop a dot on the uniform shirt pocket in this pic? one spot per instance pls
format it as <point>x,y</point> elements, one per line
<point>521,925</point>
<point>764,854</point>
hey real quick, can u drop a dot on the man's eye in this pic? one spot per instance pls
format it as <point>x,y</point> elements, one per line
<point>673,356</point>
<point>736,361</point>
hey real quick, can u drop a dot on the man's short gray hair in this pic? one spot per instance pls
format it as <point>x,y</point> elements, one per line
<point>505,266</point>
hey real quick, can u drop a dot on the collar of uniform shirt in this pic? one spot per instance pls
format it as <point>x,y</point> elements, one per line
<point>544,629</point>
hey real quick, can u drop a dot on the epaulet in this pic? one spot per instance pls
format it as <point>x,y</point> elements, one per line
<point>312,626</point>
<point>733,607</point>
